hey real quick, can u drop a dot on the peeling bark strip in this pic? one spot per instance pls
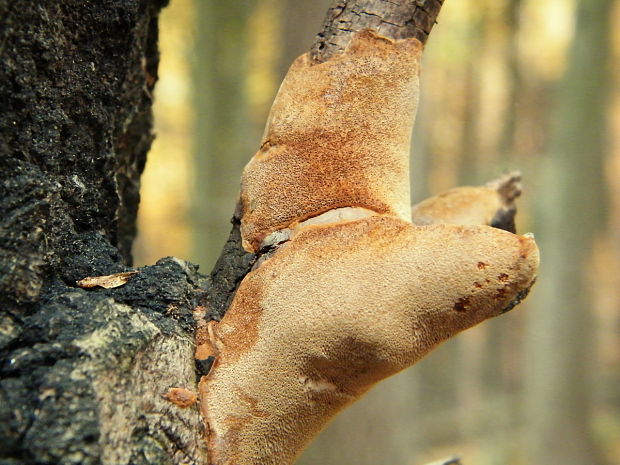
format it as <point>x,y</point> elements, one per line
<point>361,293</point>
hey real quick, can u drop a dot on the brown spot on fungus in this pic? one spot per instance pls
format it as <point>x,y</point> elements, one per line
<point>463,304</point>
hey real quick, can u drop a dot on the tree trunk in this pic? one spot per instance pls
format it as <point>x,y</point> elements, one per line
<point>85,369</point>
<point>82,370</point>
<point>507,143</point>
<point>221,111</point>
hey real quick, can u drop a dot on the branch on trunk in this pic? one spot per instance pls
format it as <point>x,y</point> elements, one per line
<point>394,19</point>
<point>492,204</point>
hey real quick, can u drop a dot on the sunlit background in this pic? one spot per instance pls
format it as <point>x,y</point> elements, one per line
<point>527,84</point>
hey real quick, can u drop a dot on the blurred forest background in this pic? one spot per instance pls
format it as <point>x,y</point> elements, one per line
<point>526,84</point>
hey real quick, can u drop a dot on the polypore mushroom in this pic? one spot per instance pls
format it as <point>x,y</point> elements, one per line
<point>341,307</point>
<point>356,292</point>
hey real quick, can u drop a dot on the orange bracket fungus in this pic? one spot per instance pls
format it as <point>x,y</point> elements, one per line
<point>355,290</point>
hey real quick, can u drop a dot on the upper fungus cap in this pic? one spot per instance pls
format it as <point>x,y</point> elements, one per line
<point>338,135</point>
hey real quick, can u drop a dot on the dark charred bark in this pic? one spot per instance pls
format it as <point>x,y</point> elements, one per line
<point>81,370</point>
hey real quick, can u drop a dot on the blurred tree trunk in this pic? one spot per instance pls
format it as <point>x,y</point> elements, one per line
<point>515,80</point>
<point>469,155</point>
<point>498,370</point>
<point>300,23</point>
<point>420,167</point>
<point>221,141</point>
<point>571,215</point>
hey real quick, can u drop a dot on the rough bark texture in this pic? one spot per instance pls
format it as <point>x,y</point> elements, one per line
<point>82,370</point>
<point>395,19</point>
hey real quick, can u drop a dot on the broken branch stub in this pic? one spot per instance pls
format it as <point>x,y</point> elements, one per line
<point>359,292</point>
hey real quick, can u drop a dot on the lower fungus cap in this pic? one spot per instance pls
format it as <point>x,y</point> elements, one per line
<point>343,306</point>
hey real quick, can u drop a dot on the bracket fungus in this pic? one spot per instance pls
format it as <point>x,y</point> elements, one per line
<point>338,135</point>
<point>356,292</point>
